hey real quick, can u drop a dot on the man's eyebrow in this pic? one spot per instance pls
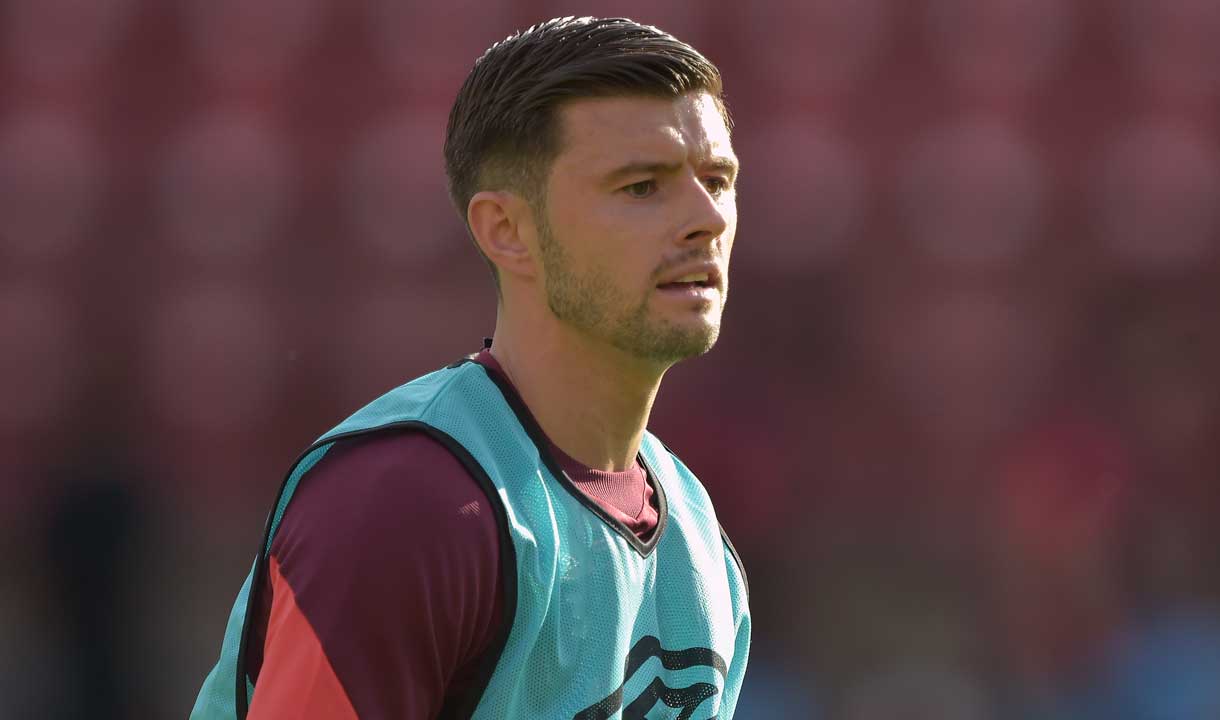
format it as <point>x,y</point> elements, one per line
<point>723,164</point>
<point>640,168</point>
<point>719,164</point>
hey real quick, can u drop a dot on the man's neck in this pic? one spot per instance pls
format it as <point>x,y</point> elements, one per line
<point>591,401</point>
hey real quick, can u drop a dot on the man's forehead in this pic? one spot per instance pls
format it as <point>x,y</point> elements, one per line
<point>607,127</point>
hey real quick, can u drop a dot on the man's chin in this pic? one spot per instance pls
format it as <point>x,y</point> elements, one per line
<point>674,346</point>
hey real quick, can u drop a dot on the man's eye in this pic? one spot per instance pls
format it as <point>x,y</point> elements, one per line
<point>642,189</point>
<point>716,185</point>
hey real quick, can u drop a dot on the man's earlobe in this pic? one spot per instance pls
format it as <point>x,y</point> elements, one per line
<point>495,218</point>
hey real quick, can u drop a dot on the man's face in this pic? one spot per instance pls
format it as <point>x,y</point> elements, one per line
<point>640,215</point>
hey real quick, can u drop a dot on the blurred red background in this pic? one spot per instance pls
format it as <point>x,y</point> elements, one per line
<point>972,340</point>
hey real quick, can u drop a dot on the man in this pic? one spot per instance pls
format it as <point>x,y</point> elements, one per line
<point>502,538</point>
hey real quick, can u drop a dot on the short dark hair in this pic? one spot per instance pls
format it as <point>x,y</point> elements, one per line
<point>503,129</point>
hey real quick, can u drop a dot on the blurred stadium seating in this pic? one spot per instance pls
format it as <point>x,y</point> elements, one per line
<point>975,295</point>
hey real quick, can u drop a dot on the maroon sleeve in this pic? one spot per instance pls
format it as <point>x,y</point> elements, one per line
<point>391,551</point>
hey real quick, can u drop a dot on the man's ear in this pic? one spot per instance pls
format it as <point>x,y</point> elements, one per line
<point>502,225</point>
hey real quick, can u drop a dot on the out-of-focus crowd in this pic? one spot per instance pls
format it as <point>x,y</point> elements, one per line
<point>963,422</point>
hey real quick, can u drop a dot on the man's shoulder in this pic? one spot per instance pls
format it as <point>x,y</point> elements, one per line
<point>401,446</point>
<point>379,487</point>
<point>410,403</point>
<point>394,461</point>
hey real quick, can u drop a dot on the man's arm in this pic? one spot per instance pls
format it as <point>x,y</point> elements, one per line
<point>385,585</point>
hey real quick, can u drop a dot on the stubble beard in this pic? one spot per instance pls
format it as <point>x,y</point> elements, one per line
<point>592,304</point>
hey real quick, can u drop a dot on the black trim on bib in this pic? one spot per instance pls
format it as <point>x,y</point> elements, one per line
<point>462,707</point>
<point>741,567</point>
<point>532,429</point>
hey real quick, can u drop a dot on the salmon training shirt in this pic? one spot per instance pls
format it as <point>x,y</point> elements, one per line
<point>383,586</point>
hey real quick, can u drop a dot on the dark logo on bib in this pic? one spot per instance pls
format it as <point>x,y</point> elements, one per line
<point>686,699</point>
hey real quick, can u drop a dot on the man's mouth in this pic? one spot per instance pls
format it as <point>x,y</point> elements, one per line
<point>694,280</point>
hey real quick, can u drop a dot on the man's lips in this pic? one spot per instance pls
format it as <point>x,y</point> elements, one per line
<point>697,275</point>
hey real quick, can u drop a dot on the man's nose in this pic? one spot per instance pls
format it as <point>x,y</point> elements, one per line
<point>708,215</point>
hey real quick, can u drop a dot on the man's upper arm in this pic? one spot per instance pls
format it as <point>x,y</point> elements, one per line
<point>385,574</point>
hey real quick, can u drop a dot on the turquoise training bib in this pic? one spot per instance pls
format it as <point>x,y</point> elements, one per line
<point>600,625</point>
